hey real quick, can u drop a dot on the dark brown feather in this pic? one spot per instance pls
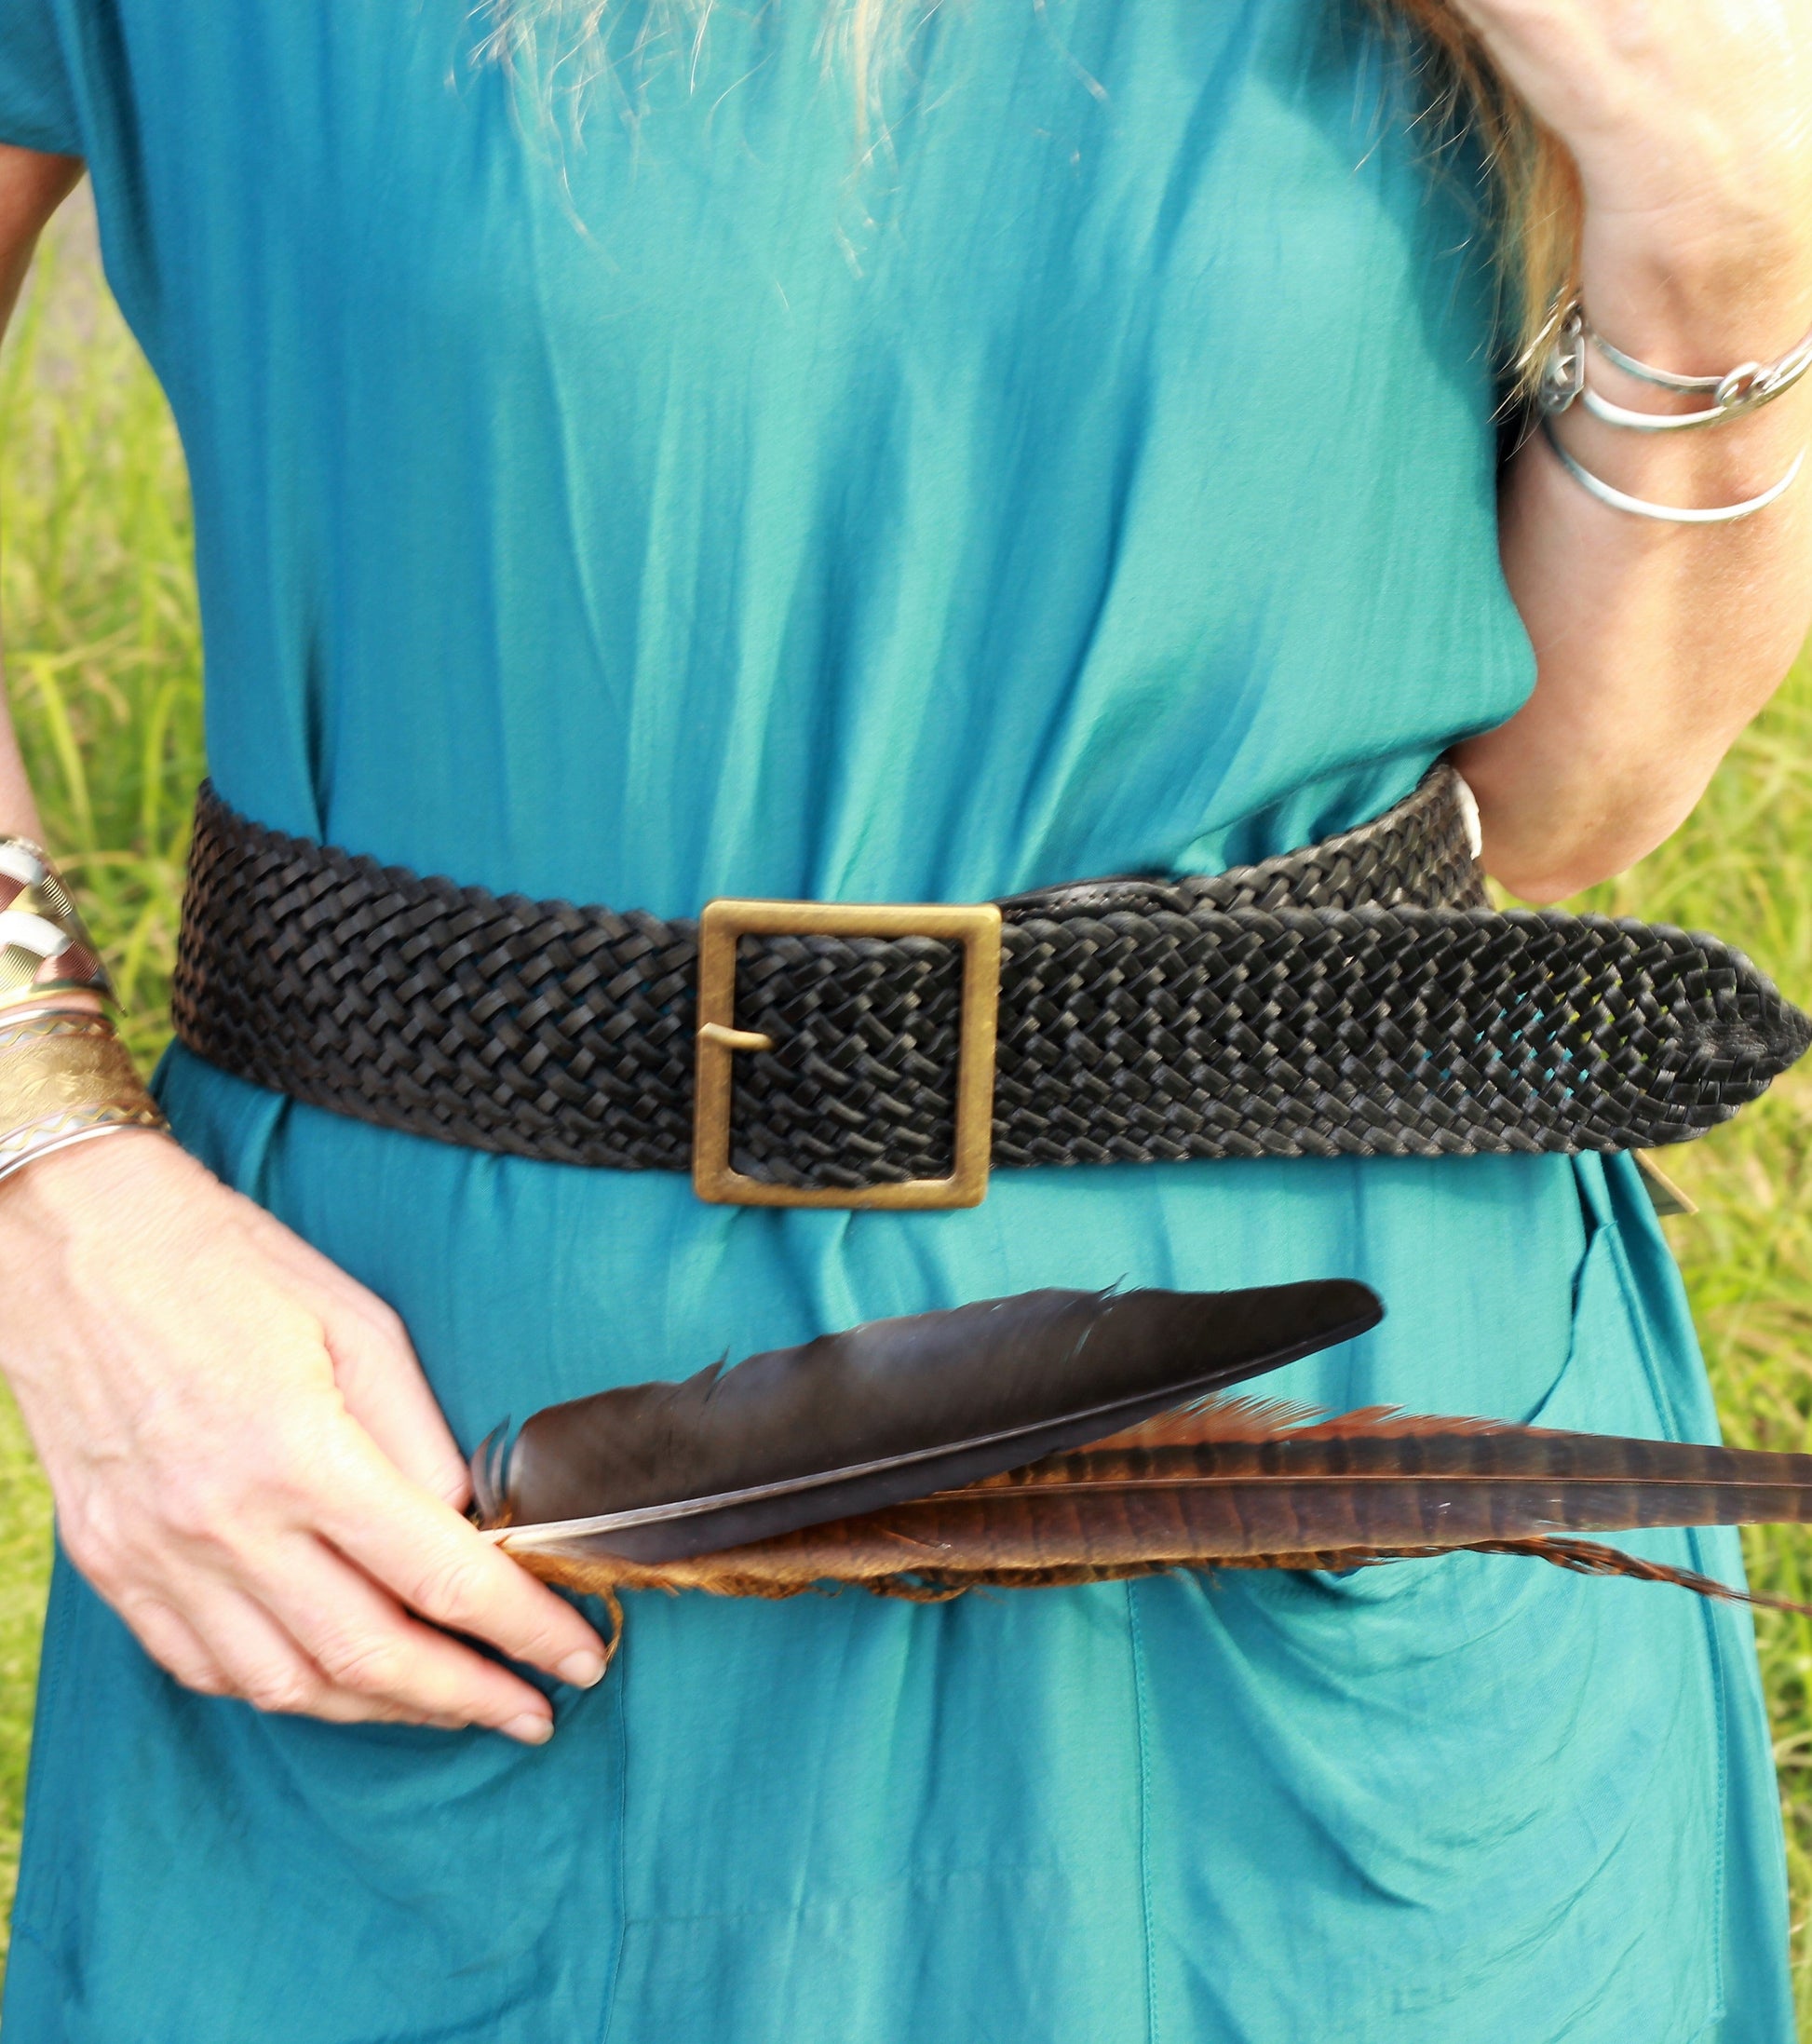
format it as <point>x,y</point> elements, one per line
<point>858,1421</point>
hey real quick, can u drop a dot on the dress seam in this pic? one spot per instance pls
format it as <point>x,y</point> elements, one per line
<point>1137,1641</point>
<point>1708,1618</point>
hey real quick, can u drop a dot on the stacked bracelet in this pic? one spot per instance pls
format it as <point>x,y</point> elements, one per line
<point>44,948</point>
<point>1672,514</point>
<point>64,1075</point>
<point>1743,389</point>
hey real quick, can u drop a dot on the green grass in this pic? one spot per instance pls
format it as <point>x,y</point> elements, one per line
<point>1743,867</point>
<point>96,603</point>
<point>103,652</point>
<point>104,661</point>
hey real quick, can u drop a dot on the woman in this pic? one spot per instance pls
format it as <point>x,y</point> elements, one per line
<point>1032,444</point>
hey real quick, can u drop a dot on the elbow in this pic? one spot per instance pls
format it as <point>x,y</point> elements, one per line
<point>1544,861</point>
<point>1555,826</point>
<point>1545,890</point>
<point>1548,874</point>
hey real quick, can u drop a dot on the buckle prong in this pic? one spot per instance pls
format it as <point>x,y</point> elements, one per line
<point>977,927</point>
<point>733,1039</point>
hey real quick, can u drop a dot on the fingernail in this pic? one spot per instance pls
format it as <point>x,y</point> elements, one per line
<point>584,1670</point>
<point>529,1727</point>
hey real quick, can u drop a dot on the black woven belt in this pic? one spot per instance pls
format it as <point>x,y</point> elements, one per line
<point>1357,998</point>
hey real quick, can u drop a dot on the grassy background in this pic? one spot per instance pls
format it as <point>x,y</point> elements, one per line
<point>103,656</point>
<point>103,660</point>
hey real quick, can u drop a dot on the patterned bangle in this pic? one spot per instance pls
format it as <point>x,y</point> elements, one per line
<point>65,1078</point>
<point>44,948</point>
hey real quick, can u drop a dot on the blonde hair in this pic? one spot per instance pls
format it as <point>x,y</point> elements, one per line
<point>1535,188</point>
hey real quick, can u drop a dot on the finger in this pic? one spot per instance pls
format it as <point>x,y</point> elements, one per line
<point>386,1391</point>
<point>375,1366</point>
<point>366,1644</point>
<point>265,1664</point>
<point>175,1644</point>
<point>433,1562</point>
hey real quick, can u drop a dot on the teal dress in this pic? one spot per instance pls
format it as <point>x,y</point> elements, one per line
<point>674,489</point>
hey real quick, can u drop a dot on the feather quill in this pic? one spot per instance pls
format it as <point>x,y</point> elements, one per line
<point>861,1421</point>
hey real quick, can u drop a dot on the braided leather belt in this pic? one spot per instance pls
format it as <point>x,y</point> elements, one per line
<point>1356,998</point>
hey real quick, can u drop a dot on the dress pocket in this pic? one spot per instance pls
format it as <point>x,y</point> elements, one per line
<point>1632,1363</point>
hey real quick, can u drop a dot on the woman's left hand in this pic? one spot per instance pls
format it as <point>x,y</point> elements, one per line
<point>1691,124</point>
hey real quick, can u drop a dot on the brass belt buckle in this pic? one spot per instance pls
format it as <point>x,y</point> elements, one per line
<point>976,927</point>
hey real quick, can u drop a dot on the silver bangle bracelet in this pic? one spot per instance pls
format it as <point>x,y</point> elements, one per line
<point>1744,388</point>
<point>1654,422</point>
<point>9,1162</point>
<point>1670,514</point>
<point>1736,390</point>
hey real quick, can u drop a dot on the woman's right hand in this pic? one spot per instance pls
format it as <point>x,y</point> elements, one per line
<point>246,1459</point>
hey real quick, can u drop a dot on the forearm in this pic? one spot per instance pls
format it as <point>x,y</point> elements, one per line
<point>1690,127</point>
<point>1656,644</point>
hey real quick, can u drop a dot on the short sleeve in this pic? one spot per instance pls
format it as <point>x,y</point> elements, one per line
<point>37,96</point>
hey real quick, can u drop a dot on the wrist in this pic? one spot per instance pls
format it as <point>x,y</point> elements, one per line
<point>85,1171</point>
<point>1659,314</point>
<point>65,1208</point>
<point>1699,290</point>
<point>66,1082</point>
<point>1726,465</point>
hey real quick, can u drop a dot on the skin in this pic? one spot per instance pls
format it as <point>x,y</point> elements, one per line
<point>246,1460</point>
<point>1691,124</point>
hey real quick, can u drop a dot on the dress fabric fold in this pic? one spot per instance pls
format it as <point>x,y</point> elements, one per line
<point>1084,464</point>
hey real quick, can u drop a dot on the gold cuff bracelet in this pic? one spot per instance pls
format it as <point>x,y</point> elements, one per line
<point>65,1078</point>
